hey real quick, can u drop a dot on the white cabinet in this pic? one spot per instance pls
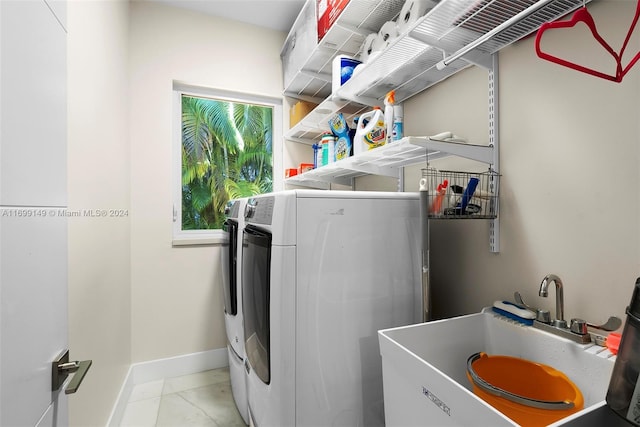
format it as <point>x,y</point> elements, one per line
<point>33,111</point>
<point>453,35</point>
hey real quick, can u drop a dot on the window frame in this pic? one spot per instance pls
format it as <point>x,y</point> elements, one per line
<point>182,237</point>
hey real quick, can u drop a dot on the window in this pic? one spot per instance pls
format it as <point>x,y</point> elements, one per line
<point>225,148</point>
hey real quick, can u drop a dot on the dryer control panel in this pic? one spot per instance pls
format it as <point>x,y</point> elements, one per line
<point>231,210</point>
<point>259,210</point>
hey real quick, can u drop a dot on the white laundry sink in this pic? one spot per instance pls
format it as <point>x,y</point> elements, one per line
<point>424,368</point>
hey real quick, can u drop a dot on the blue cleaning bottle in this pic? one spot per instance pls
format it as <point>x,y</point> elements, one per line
<point>466,196</point>
<point>317,155</point>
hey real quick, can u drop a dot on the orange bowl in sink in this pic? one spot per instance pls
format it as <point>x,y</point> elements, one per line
<point>529,393</point>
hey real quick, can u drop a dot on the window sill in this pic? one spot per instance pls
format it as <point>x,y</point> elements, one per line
<point>200,240</point>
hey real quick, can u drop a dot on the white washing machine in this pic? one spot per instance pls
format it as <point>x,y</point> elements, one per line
<point>322,272</point>
<point>231,263</point>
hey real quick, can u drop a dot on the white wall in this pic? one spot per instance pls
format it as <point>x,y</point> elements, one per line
<point>570,185</point>
<point>176,292</point>
<point>98,178</point>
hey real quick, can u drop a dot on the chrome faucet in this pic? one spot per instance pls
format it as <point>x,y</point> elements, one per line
<point>559,320</point>
<point>577,332</point>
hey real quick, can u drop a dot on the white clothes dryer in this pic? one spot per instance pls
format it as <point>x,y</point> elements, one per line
<point>322,272</point>
<point>231,263</point>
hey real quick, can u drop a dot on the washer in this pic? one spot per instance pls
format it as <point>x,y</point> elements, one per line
<point>322,272</point>
<point>231,263</point>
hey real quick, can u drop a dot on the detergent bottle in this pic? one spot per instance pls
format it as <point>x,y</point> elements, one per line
<point>339,128</point>
<point>370,132</point>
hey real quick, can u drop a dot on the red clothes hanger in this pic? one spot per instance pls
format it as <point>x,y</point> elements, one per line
<point>626,40</point>
<point>583,15</point>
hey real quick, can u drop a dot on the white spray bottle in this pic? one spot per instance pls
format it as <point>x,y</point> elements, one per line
<point>389,101</point>
<point>398,128</point>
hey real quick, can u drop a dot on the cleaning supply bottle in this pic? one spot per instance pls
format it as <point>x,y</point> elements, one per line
<point>370,132</point>
<point>317,155</point>
<point>389,102</point>
<point>398,128</point>
<point>328,147</point>
<point>352,133</point>
<point>436,206</point>
<point>339,128</point>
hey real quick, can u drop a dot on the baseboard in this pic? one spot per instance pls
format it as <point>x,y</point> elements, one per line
<point>165,368</point>
<point>121,401</point>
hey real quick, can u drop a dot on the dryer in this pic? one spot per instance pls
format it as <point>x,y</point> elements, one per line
<point>231,263</point>
<point>322,272</point>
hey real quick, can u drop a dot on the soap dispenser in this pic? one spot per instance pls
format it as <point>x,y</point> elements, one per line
<point>623,395</point>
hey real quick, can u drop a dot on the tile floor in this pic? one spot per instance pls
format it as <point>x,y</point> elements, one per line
<point>202,399</point>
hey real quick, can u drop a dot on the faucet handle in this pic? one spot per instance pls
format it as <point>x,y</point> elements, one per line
<point>543,316</point>
<point>612,324</point>
<point>521,303</point>
<point>579,326</point>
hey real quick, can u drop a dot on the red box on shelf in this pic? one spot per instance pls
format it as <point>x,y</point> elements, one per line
<point>288,173</point>
<point>305,167</point>
<point>327,12</point>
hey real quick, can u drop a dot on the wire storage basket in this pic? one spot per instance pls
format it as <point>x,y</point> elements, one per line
<point>467,195</point>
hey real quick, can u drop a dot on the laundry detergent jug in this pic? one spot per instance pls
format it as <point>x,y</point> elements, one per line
<point>371,131</point>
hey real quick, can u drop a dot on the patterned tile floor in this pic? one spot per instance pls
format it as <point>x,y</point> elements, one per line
<point>202,399</point>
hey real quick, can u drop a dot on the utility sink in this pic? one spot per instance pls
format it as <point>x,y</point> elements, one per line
<point>424,368</point>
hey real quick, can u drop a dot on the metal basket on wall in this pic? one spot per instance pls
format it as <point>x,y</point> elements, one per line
<point>462,195</point>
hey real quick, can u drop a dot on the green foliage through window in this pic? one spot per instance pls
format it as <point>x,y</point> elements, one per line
<point>226,154</point>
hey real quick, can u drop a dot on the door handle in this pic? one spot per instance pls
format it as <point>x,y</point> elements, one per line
<point>61,368</point>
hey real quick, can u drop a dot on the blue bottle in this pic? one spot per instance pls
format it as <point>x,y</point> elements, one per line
<point>317,155</point>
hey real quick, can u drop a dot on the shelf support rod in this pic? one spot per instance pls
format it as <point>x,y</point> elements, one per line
<point>364,100</point>
<point>301,140</point>
<point>487,36</point>
<point>494,139</point>
<point>315,75</point>
<point>300,96</point>
<point>477,58</point>
<point>353,29</point>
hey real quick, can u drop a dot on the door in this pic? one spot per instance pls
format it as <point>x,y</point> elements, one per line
<point>230,268</point>
<point>256,280</point>
<point>33,322</point>
<point>33,225</point>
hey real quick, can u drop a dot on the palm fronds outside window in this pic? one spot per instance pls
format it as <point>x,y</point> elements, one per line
<point>226,154</point>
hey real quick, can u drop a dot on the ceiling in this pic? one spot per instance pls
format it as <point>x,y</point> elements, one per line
<point>274,14</point>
